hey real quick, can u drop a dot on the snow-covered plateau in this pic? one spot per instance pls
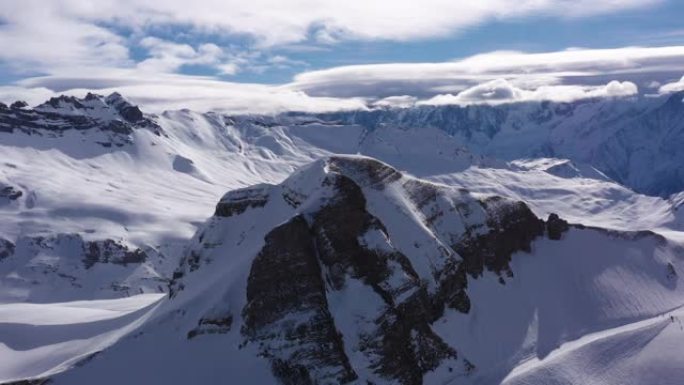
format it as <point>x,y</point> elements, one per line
<point>526,243</point>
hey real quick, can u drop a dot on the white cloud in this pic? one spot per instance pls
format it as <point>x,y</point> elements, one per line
<point>31,95</point>
<point>36,36</point>
<point>79,32</point>
<point>502,91</point>
<point>400,101</point>
<point>228,68</point>
<point>166,56</point>
<point>158,92</point>
<point>527,70</point>
<point>672,87</point>
<point>493,91</point>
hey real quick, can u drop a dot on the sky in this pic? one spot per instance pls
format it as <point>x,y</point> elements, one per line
<point>317,55</point>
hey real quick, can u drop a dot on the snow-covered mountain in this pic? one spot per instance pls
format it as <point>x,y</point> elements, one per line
<point>403,272</point>
<point>636,142</point>
<point>352,272</point>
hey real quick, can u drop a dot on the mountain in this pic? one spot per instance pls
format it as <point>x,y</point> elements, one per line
<point>353,272</point>
<point>100,201</point>
<point>635,142</point>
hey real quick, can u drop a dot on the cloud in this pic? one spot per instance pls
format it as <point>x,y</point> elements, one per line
<point>35,36</point>
<point>31,95</point>
<point>640,65</point>
<point>171,91</point>
<point>502,91</point>
<point>497,77</point>
<point>166,56</point>
<point>493,91</point>
<point>672,87</point>
<point>401,101</point>
<point>68,33</point>
<point>164,91</point>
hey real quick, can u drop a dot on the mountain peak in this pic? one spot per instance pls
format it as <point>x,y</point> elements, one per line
<point>342,226</point>
<point>113,113</point>
<point>112,107</point>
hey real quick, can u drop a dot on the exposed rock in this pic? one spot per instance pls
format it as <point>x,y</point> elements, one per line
<point>302,260</point>
<point>511,227</point>
<point>113,115</point>
<point>212,324</point>
<point>287,310</point>
<point>555,227</point>
<point>671,271</point>
<point>109,251</point>
<point>6,249</point>
<point>237,201</point>
<point>129,112</point>
<point>10,192</point>
<point>19,104</point>
<point>364,171</point>
<point>403,347</point>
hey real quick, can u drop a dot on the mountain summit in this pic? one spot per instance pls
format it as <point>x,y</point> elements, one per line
<point>350,271</point>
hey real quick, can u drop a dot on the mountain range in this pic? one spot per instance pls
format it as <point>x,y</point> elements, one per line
<point>516,243</point>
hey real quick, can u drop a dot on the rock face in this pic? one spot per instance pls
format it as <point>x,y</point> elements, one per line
<point>112,115</point>
<point>109,251</point>
<point>64,265</point>
<point>335,241</point>
<point>510,228</point>
<point>556,227</point>
<point>286,296</point>
<point>237,201</point>
<point>6,248</point>
<point>9,193</point>
<point>92,252</point>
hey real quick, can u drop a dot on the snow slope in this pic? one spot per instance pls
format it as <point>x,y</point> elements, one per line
<point>39,340</point>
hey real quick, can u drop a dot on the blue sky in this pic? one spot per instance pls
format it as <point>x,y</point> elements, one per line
<point>327,48</point>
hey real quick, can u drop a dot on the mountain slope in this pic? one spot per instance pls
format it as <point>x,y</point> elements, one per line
<point>633,141</point>
<point>98,202</point>
<point>39,340</point>
<point>351,271</point>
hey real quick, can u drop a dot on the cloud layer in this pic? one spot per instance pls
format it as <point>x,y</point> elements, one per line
<point>489,78</point>
<point>525,70</point>
<point>502,91</point>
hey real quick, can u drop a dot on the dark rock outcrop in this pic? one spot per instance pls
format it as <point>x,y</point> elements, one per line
<point>19,104</point>
<point>404,344</point>
<point>6,249</point>
<point>555,227</point>
<point>63,113</point>
<point>321,252</point>
<point>237,201</point>
<point>367,171</point>
<point>510,228</point>
<point>287,310</point>
<point>110,251</point>
<point>10,192</point>
<point>212,324</point>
